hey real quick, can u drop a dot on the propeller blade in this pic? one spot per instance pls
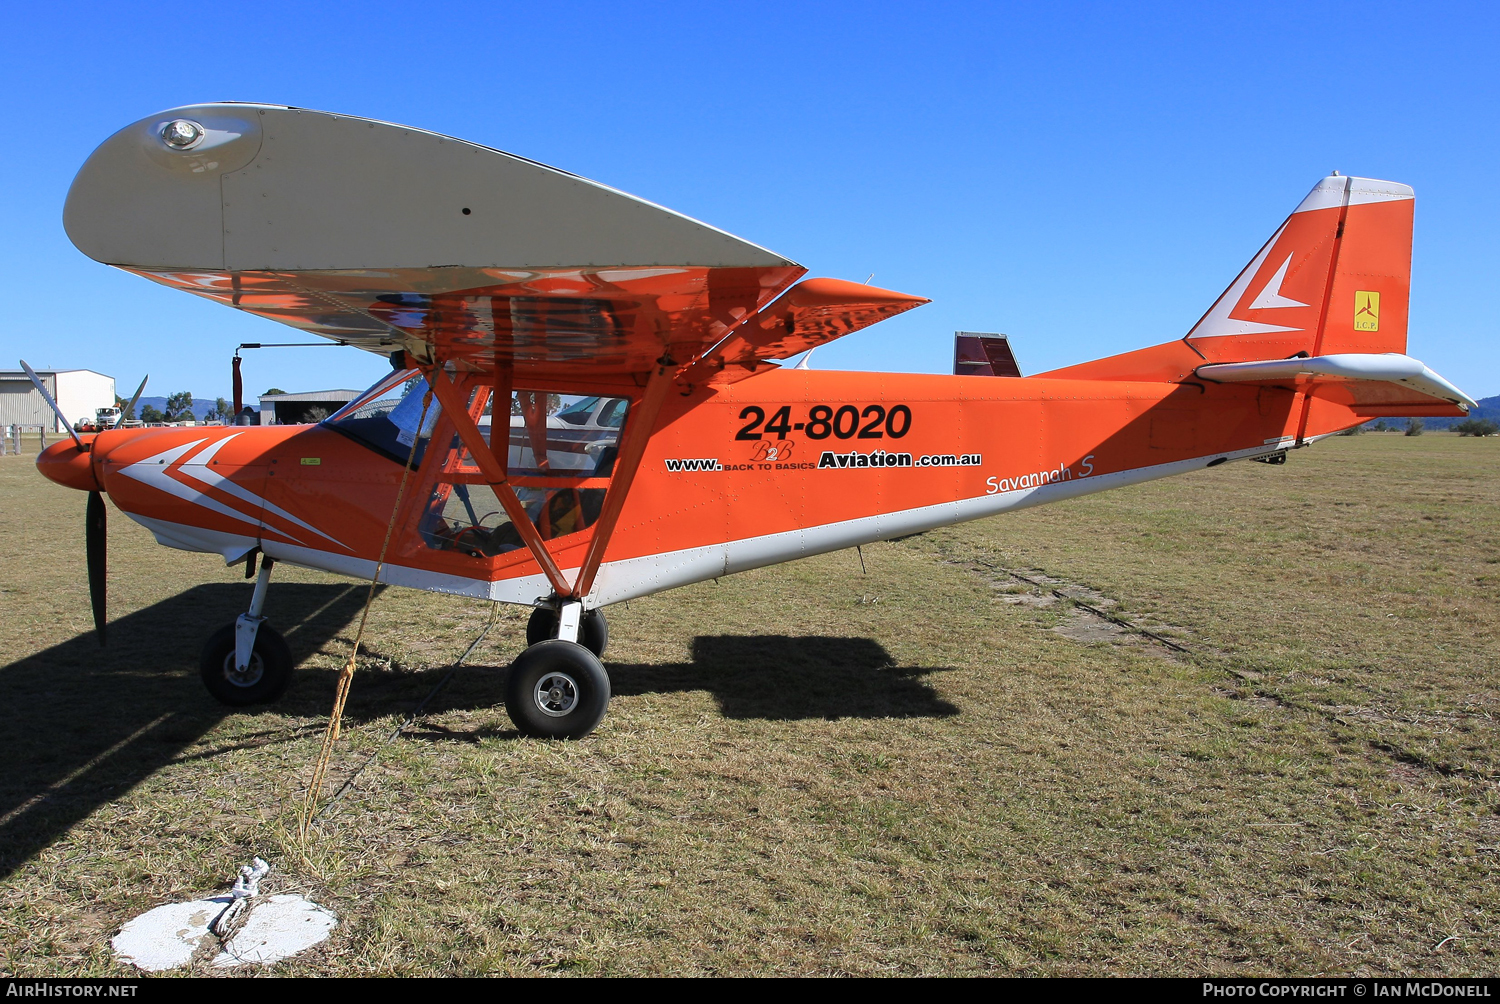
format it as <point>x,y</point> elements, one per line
<point>94,541</point>
<point>130,408</point>
<point>42,389</point>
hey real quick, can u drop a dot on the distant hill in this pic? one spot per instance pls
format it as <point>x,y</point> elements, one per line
<point>200,406</point>
<point>1489,407</point>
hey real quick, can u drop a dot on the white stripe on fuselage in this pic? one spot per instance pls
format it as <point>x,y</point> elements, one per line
<point>153,471</point>
<point>156,472</point>
<point>216,480</point>
<point>653,573</point>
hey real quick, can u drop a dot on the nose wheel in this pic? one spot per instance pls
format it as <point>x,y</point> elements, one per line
<point>264,677</point>
<point>247,662</point>
<point>557,690</point>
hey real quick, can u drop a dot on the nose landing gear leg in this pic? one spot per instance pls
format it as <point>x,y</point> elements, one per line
<point>247,625</point>
<point>247,662</point>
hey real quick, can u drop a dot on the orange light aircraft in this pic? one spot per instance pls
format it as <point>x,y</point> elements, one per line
<point>629,353</point>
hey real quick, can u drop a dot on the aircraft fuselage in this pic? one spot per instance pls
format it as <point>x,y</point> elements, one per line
<point>786,464</point>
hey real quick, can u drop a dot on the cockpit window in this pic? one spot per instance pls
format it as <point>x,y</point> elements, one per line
<point>561,453</point>
<point>386,417</point>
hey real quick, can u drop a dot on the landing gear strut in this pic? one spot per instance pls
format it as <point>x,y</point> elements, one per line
<point>558,688</point>
<point>247,662</point>
<point>593,629</point>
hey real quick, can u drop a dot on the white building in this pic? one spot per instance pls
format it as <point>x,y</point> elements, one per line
<point>79,393</point>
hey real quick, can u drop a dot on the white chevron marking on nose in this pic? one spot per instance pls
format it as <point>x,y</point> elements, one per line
<point>153,471</point>
<point>199,471</point>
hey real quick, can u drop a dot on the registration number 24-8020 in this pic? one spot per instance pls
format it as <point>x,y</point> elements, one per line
<point>848,422</point>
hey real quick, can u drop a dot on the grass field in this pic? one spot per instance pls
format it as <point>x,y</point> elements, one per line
<point>946,764</point>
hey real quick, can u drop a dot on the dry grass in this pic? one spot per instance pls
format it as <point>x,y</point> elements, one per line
<point>935,767</point>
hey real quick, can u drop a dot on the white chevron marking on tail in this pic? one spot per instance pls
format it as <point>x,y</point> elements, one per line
<point>1271,296</point>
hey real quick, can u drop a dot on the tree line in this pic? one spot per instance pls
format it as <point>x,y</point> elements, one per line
<point>1415,427</point>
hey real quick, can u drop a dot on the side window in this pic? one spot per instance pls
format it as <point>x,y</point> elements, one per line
<point>561,442</point>
<point>468,519</point>
<point>557,445</point>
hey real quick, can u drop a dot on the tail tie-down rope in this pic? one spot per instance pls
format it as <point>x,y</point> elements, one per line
<point>346,676</point>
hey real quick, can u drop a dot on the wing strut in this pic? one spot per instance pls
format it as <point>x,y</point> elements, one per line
<point>494,472</point>
<point>639,425</point>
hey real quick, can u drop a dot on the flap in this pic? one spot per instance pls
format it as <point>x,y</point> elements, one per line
<point>809,314</point>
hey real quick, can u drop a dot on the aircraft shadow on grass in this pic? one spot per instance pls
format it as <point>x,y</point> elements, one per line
<point>786,678</point>
<point>86,724</point>
<point>89,724</point>
<point>769,677</point>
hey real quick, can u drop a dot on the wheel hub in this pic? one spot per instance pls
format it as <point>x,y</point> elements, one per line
<point>556,694</point>
<point>247,677</point>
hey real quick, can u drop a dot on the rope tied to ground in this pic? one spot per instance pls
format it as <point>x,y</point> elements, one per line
<point>411,717</point>
<point>346,675</point>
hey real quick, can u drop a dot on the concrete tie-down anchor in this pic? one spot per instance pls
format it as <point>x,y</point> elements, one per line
<point>246,927</point>
<point>247,884</point>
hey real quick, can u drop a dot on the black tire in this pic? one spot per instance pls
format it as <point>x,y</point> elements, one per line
<point>593,629</point>
<point>557,690</point>
<point>267,676</point>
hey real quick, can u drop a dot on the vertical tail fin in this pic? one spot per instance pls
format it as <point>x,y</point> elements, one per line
<point>1335,278</point>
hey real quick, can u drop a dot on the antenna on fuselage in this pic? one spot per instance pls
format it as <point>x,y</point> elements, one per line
<point>238,383</point>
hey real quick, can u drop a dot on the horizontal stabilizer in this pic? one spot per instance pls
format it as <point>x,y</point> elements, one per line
<point>1352,367</point>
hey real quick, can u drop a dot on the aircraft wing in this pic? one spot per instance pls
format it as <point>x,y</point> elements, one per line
<point>388,237</point>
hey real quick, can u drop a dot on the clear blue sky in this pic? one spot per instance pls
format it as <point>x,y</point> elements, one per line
<point>1084,177</point>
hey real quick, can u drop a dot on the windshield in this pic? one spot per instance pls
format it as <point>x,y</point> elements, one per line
<point>385,417</point>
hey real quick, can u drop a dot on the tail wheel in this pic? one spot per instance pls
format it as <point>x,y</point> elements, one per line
<point>557,690</point>
<point>264,680</point>
<point>593,629</point>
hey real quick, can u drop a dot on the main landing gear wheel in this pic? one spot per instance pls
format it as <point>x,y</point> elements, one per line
<point>263,680</point>
<point>593,629</point>
<point>557,690</point>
